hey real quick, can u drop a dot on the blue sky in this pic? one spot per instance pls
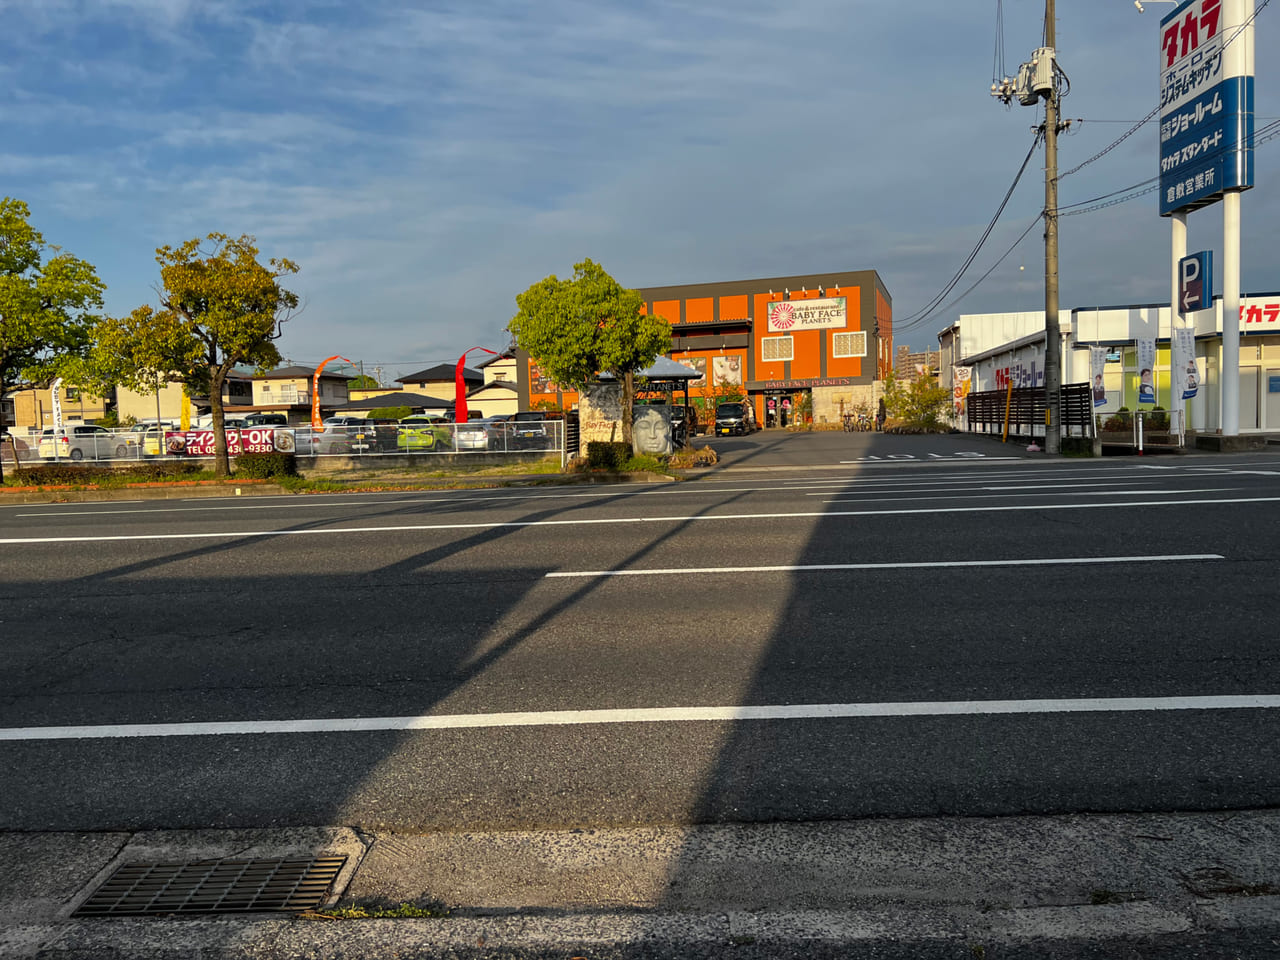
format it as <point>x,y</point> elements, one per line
<point>424,163</point>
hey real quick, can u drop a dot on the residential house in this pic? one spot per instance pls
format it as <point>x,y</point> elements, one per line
<point>30,409</point>
<point>288,390</point>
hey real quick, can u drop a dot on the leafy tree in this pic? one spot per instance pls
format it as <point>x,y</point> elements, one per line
<point>921,404</point>
<point>219,309</point>
<point>591,324</point>
<point>47,299</point>
<point>363,382</point>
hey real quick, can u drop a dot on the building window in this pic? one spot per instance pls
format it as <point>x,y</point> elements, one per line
<point>773,349</point>
<point>849,344</point>
<point>288,393</point>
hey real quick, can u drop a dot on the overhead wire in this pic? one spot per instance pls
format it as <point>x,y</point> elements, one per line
<point>951,284</point>
<point>1264,135</point>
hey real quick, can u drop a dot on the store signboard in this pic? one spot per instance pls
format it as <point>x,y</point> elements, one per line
<point>1206,103</point>
<point>788,316</point>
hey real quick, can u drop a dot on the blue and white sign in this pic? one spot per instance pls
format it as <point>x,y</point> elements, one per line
<point>1206,103</point>
<point>1195,282</point>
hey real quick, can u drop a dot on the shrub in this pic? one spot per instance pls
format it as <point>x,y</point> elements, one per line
<point>606,455</point>
<point>66,473</point>
<point>263,466</point>
<point>1121,420</point>
<point>390,413</point>
<point>1158,419</point>
<point>644,462</point>
<point>694,457</point>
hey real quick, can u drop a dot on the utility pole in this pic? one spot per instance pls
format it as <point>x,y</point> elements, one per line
<point>1052,338</point>
<point>1038,79</point>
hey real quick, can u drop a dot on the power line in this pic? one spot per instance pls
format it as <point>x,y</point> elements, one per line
<point>951,285</point>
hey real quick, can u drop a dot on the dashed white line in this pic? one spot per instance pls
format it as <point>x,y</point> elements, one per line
<point>914,565</point>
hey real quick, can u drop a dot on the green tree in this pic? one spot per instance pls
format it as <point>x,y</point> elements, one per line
<point>591,324</point>
<point>47,302</point>
<point>921,404</point>
<point>219,309</point>
<point>363,382</point>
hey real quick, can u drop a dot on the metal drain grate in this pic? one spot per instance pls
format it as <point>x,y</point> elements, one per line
<point>213,886</point>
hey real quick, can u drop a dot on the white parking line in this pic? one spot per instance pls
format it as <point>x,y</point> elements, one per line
<point>923,564</point>
<point>545,718</point>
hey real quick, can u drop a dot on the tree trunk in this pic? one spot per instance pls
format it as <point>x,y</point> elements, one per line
<point>221,462</point>
<point>628,401</point>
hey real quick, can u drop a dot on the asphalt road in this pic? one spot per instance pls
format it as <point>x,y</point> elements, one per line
<point>874,611</point>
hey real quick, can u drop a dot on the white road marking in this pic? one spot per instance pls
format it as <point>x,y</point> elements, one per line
<point>870,495</point>
<point>926,564</point>
<point>604,521</point>
<point>891,459</point>
<point>545,718</point>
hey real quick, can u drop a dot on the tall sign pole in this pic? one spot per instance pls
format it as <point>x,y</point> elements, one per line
<point>1052,337</point>
<point>1206,147</point>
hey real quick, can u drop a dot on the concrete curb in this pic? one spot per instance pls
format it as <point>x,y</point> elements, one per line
<point>921,887</point>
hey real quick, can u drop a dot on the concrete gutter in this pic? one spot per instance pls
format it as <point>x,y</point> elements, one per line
<point>1162,884</point>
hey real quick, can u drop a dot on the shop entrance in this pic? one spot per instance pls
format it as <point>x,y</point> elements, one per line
<point>782,408</point>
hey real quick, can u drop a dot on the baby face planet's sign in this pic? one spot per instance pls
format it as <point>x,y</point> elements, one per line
<point>788,316</point>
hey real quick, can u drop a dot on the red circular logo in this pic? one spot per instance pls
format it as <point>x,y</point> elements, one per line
<point>783,317</point>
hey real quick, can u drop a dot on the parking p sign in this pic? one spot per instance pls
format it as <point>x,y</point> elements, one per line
<point>1195,282</point>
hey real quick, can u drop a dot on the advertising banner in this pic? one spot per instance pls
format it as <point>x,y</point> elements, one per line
<point>1146,370</point>
<point>200,443</point>
<point>55,389</point>
<point>1097,364</point>
<point>1206,102</point>
<point>727,369</point>
<point>1184,376</point>
<point>961,381</point>
<point>789,316</point>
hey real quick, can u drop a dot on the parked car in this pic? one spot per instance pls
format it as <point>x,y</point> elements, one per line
<point>146,439</point>
<point>471,435</point>
<point>528,428</point>
<point>423,431</point>
<point>346,435</point>
<point>495,429</point>
<point>81,442</point>
<point>12,446</point>
<point>265,420</point>
<point>684,424</point>
<point>735,418</point>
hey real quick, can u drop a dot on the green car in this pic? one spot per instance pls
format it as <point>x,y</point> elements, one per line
<point>422,433</point>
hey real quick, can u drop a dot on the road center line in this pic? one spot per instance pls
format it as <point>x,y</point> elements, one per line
<point>545,718</point>
<point>604,521</point>
<point>926,564</point>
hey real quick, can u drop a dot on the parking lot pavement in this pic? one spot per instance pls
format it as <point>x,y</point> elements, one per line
<point>1162,884</point>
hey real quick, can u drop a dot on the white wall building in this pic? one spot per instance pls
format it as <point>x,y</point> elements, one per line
<point>1004,347</point>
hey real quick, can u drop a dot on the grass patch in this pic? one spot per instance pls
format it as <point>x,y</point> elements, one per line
<point>385,911</point>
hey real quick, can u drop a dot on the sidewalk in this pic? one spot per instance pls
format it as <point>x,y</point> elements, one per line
<point>1105,886</point>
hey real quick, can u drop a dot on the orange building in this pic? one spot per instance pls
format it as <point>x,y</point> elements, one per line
<point>818,341</point>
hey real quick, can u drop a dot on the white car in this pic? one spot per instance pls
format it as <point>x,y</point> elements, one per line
<point>84,441</point>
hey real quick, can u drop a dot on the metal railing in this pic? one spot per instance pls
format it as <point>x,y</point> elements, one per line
<point>83,443</point>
